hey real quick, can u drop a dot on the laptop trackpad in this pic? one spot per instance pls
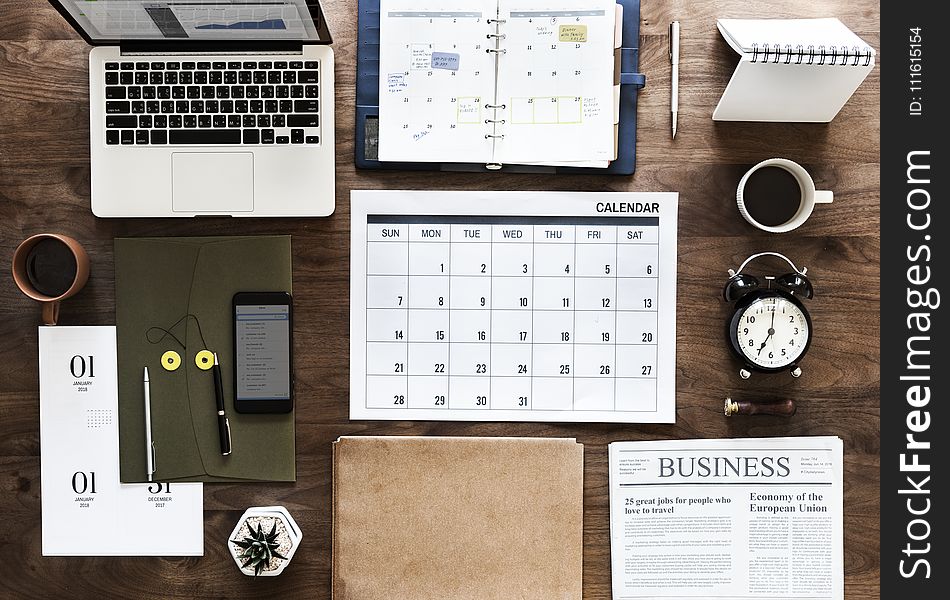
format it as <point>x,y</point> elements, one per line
<point>213,182</point>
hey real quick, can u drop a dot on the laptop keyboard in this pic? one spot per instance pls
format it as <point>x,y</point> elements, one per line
<point>212,103</point>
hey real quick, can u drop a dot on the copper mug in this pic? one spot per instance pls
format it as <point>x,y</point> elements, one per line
<point>50,268</point>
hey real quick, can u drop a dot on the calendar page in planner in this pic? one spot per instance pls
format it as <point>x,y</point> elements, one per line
<point>435,78</point>
<point>513,306</point>
<point>556,78</point>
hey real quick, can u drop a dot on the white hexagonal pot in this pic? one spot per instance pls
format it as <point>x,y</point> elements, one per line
<point>288,537</point>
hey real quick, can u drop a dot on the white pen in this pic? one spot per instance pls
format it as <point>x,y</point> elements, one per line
<point>149,448</point>
<point>675,76</point>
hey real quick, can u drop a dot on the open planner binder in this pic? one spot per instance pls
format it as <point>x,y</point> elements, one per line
<point>497,84</point>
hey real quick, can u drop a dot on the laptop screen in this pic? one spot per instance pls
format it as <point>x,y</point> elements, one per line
<point>105,21</point>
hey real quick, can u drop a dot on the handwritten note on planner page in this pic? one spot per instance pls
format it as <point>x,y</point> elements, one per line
<point>513,306</point>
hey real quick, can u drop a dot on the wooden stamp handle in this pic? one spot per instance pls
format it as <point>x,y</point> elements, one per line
<point>779,408</point>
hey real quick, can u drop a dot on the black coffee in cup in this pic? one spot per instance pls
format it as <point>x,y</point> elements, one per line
<point>772,196</point>
<point>51,267</point>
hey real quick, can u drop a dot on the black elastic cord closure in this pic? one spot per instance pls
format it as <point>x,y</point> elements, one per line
<point>167,332</point>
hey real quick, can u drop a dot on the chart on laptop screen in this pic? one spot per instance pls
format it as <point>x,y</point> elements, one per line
<point>513,306</point>
<point>197,19</point>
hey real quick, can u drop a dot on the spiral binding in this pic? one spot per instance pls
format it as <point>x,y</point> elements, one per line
<point>844,56</point>
<point>494,105</point>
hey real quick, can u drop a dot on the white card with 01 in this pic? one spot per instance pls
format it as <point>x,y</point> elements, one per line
<point>513,306</point>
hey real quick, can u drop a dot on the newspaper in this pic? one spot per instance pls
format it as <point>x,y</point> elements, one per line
<point>742,518</point>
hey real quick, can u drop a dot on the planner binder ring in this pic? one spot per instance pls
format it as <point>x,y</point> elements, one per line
<point>800,52</point>
<point>502,121</point>
<point>821,54</point>
<point>500,21</point>
<point>497,50</point>
<point>755,51</point>
<point>811,54</point>
<point>778,53</point>
<point>788,53</point>
<point>765,56</point>
<point>834,53</point>
<point>501,106</point>
<point>489,135</point>
<point>499,36</point>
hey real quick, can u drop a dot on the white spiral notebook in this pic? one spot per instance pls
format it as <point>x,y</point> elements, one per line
<point>792,70</point>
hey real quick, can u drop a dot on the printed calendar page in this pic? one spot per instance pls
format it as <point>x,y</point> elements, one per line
<point>556,81</point>
<point>86,511</point>
<point>435,80</point>
<point>503,81</point>
<point>513,306</point>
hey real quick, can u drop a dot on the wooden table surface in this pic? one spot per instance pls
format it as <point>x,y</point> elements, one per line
<point>44,186</point>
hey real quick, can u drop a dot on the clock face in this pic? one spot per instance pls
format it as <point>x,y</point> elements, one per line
<point>772,332</point>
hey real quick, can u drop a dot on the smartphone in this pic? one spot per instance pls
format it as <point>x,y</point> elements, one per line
<point>263,352</point>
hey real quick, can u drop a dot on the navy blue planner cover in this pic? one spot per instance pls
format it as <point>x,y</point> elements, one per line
<point>367,101</point>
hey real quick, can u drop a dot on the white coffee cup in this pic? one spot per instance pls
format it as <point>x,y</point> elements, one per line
<point>809,195</point>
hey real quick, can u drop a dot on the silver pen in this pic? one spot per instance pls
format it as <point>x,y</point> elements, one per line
<point>149,445</point>
<point>675,75</point>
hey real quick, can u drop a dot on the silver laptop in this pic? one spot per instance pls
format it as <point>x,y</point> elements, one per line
<point>208,107</point>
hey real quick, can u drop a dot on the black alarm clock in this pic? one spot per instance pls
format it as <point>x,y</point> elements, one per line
<point>770,329</point>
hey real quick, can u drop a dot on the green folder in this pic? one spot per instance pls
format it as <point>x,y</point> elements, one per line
<point>157,282</point>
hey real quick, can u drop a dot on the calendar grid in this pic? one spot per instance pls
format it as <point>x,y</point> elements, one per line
<point>448,328</point>
<point>491,312</point>
<point>609,281</point>
<point>408,324</point>
<point>510,307</point>
<point>574,324</point>
<point>616,295</point>
<point>531,383</point>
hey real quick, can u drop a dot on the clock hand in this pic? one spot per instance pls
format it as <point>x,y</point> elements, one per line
<point>772,328</point>
<point>769,336</point>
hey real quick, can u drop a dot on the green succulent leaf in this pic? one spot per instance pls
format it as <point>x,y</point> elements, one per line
<point>259,548</point>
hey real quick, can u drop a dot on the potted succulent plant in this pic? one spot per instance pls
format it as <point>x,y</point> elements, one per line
<point>264,541</point>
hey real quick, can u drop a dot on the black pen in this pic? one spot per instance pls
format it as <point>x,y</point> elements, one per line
<point>224,428</point>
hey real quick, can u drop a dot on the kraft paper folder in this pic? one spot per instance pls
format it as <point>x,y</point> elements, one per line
<point>455,517</point>
<point>157,282</point>
<point>630,82</point>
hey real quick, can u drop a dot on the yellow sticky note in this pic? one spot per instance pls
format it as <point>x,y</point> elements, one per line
<point>573,33</point>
